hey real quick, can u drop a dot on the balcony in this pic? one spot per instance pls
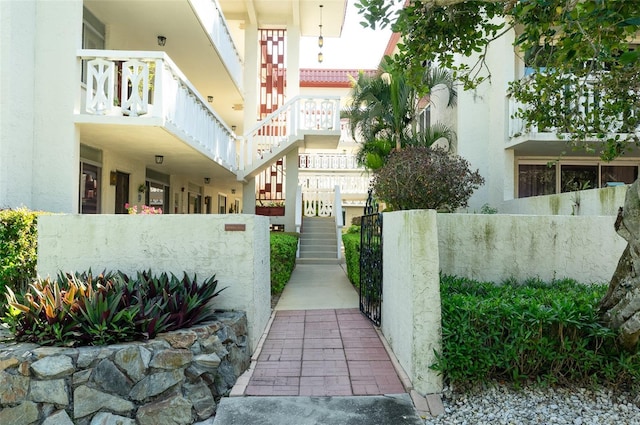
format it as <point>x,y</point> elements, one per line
<point>527,139</point>
<point>140,103</point>
<point>328,162</point>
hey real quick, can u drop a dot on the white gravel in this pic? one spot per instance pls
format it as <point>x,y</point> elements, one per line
<point>502,405</point>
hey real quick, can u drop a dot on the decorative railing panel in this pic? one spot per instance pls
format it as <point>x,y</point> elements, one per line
<point>317,203</point>
<point>591,100</point>
<point>328,161</point>
<point>300,115</point>
<point>357,184</point>
<point>151,85</point>
<point>210,15</point>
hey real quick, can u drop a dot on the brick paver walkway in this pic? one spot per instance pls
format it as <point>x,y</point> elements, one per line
<point>323,353</point>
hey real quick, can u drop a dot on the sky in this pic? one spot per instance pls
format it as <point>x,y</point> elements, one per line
<point>358,48</point>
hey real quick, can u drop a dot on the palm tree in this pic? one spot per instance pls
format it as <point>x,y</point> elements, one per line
<point>383,110</point>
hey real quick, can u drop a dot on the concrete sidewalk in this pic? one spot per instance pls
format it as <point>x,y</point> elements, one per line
<point>321,350</point>
<point>318,286</point>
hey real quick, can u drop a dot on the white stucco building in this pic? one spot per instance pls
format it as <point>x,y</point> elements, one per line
<point>515,161</point>
<point>176,104</point>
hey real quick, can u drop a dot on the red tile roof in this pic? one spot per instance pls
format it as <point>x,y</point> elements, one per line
<point>330,77</point>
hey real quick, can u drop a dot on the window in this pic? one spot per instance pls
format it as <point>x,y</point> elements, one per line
<point>539,178</point>
<point>93,35</point>
<point>536,180</point>
<point>578,177</point>
<point>89,188</point>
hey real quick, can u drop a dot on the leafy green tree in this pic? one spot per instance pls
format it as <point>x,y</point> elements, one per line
<point>585,86</point>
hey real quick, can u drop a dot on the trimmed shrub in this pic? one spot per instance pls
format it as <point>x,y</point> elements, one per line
<point>536,331</point>
<point>425,178</point>
<point>283,259</point>
<point>18,247</point>
<point>351,242</point>
<point>83,309</point>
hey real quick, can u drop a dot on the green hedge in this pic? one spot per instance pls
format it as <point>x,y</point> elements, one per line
<point>18,248</point>
<point>351,242</point>
<point>283,259</point>
<point>529,332</point>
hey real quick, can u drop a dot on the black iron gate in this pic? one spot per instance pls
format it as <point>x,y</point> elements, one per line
<point>371,262</point>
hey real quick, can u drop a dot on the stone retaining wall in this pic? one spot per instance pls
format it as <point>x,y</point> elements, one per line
<point>176,378</point>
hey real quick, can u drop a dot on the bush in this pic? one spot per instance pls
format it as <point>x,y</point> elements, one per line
<point>529,332</point>
<point>283,259</point>
<point>425,178</point>
<point>351,242</point>
<point>18,245</point>
<point>83,309</point>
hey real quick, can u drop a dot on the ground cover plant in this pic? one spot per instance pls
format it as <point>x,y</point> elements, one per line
<point>283,259</point>
<point>83,309</point>
<point>535,331</point>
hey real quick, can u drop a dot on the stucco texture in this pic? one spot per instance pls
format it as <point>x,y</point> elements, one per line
<point>497,247</point>
<point>195,244</point>
<point>411,319</point>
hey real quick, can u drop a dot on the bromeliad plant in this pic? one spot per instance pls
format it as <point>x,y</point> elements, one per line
<point>83,309</point>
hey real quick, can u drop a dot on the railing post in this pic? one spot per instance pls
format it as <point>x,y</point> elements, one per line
<point>298,216</point>
<point>158,90</point>
<point>337,213</point>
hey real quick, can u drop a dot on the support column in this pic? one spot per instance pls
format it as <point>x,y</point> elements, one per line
<point>291,187</point>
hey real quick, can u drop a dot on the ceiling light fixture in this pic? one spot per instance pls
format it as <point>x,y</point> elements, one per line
<point>162,40</point>
<point>159,159</point>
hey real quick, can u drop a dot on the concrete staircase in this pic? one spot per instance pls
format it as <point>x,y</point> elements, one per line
<point>318,241</point>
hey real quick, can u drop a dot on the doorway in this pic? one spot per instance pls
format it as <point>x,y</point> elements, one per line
<point>122,192</point>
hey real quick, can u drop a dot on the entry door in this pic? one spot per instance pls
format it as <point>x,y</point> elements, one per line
<point>122,192</point>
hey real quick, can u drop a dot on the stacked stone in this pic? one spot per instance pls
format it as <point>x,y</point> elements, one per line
<point>176,378</point>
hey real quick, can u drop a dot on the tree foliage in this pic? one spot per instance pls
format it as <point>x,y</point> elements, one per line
<point>587,80</point>
<point>383,111</point>
<point>418,177</point>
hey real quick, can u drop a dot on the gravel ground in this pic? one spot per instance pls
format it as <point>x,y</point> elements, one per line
<point>505,406</point>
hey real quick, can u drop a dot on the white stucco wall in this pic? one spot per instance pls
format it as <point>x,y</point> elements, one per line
<point>605,201</point>
<point>411,319</point>
<point>497,247</point>
<point>170,243</point>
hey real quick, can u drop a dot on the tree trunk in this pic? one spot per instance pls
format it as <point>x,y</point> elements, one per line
<point>620,307</point>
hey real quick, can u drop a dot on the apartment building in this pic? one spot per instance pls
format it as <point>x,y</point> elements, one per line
<point>175,104</point>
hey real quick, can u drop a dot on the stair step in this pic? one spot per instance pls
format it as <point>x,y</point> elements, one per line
<point>319,260</point>
<point>319,242</point>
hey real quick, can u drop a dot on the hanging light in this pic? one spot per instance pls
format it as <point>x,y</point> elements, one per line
<point>320,38</point>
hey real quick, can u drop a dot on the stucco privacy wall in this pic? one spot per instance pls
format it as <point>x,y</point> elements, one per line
<point>497,247</point>
<point>605,201</point>
<point>169,243</point>
<point>411,292</point>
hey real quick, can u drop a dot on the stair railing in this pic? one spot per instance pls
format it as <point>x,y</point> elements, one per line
<point>286,125</point>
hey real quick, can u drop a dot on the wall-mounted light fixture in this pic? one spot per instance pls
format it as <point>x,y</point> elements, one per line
<point>159,159</point>
<point>209,99</point>
<point>207,180</point>
<point>233,191</point>
<point>113,178</point>
<point>162,40</point>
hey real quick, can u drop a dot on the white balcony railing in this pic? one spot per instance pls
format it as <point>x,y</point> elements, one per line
<point>210,15</point>
<point>590,101</point>
<point>297,117</point>
<point>349,185</point>
<point>150,85</point>
<point>328,161</point>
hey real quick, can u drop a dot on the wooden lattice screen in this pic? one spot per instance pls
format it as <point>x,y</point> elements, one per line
<point>270,183</point>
